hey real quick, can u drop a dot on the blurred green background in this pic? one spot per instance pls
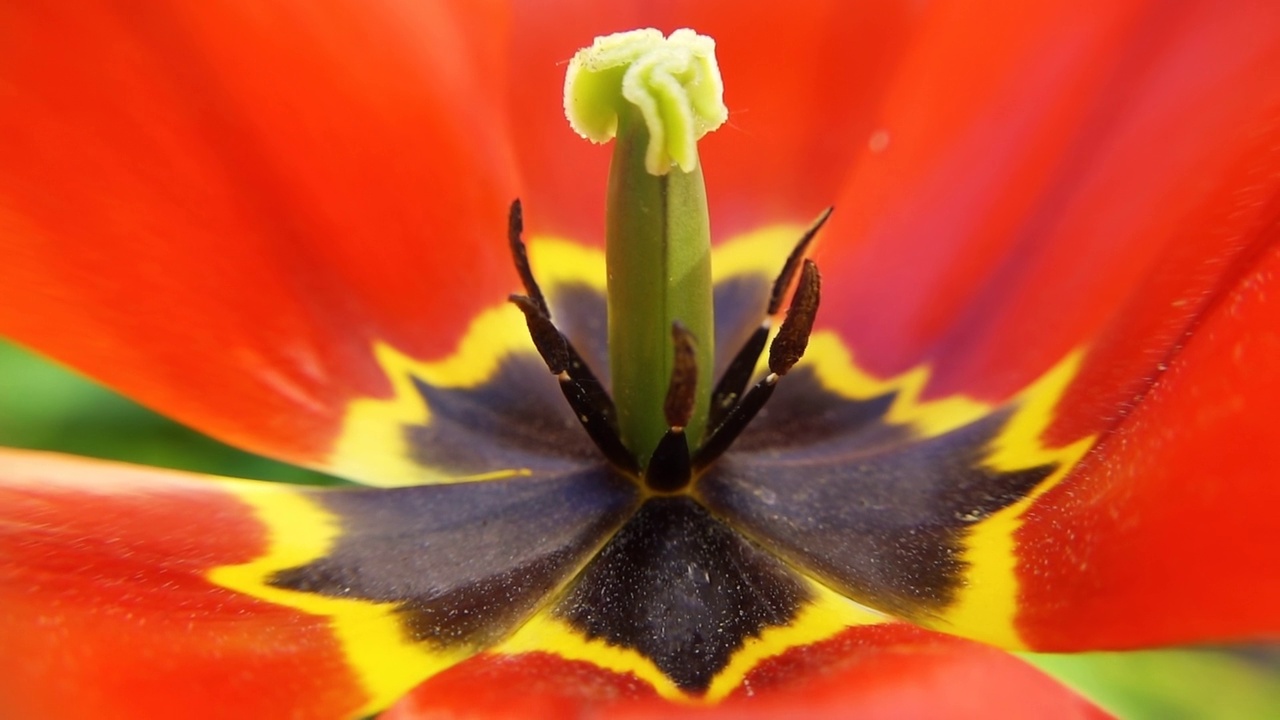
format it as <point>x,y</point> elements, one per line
<point>43,406</point>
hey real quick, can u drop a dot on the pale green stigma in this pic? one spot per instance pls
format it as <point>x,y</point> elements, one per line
<point>674,82</point>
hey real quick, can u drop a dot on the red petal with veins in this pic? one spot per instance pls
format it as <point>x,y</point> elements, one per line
<point>1165,534</point>
<point>884,671</point>
<point>216,208</point>
<point>107,612</point>
<point>801,83</point>
<point>1055,175</point>
<point>1095,177</point>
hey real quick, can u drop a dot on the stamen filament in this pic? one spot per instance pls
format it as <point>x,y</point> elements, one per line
<point>735,422</point>
<point>736,376</point>
<point>787,349</point>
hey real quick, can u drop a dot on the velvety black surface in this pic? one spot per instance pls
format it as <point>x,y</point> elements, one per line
<point>803,419</point>
<point>517,420</point>
<point>681,588</point>
<point>464,562</point>
<point>881,522</point>
<point>580,313</point>
<point>740,304</point>
<point>816,481</point>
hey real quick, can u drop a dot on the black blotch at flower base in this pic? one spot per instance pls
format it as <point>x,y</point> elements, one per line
<point>817,485</point>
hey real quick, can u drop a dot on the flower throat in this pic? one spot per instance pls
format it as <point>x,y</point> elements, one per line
<point>673,463</point>
<point>664,422</point>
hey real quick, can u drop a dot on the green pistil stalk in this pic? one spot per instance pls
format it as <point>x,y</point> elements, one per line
<point>658,253</point>
<point>657,96</point>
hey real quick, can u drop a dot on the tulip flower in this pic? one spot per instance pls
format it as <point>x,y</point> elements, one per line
<point>1031,413</point>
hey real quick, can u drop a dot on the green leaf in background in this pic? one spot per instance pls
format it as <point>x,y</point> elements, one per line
<point>45,407</point>
<point>1173,684</point>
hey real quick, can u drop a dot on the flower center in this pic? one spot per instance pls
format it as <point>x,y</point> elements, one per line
<point>675,461</point>
<point>664,421</point>
<point>656,96</point>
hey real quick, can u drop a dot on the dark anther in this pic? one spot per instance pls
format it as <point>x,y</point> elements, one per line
<point>793,337</point>
<point>731,410</point>
<point>562,359</point>
<point>736,376</point>
<point>735,422</point>
<point>672,465</point>
<point>587,397</point>
<point>783,281</point>
<point>515,229</point>
<point>670,468</point>
<point>547,339</point>
<point>682,391</point>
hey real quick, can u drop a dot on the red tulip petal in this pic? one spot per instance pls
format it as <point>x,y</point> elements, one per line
<point>889,671</point>
<point>108,611</point>
<point>217,209</point>
<point>1055,174</point>
<point>1165,534</point>
<point>793,72</point>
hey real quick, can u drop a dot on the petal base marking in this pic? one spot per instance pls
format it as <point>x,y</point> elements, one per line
<point>372,637</point>
<point>826,615</point>
<point>986,607</point>
<point>371,449</point>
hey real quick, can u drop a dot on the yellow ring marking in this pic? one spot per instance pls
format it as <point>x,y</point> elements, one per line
<point>824,616</point>
<point>987,607</point>
<point>372,448</point>
<point>838,373</point>
<point>546,634</point>
<point>386,662</point>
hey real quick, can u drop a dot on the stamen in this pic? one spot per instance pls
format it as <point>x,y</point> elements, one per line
<point>670,467</point>
<point>551,345</point>
<point>595,410</point>
<point>736,376</point>
<point>586,396</point>
<point>735,422</point>
<point>793,337</point>
<point>515,229</point>
<point>787,349</point>
<point>580,372</point>
<point>682,393</point>
<point>788,273</point>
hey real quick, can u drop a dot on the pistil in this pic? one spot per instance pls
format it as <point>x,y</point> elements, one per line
<point>657,96</point>
<point>665,423</point>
